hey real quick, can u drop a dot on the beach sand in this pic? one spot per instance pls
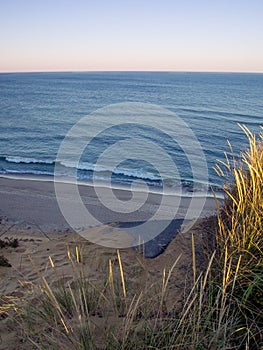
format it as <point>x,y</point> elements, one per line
<point>30,213</point>
<point>34,203</point>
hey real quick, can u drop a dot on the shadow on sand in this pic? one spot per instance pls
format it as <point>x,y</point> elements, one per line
<point>157,245</point>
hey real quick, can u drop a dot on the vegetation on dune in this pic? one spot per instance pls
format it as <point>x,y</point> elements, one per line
<point>222,308</point>
<point>4,261</point>
<point>239,240</point>
<point>13,243</point>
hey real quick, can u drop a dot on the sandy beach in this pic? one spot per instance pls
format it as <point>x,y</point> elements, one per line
<point>34,203</point>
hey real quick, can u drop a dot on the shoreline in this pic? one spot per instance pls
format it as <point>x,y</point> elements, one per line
<point>114,186</point>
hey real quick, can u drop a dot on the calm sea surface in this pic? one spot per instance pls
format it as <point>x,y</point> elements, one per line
<point>37,110</point>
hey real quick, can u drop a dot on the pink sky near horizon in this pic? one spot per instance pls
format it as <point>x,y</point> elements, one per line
<point>84,35</point>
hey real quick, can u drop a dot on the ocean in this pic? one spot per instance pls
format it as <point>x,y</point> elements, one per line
<point>38,110</point>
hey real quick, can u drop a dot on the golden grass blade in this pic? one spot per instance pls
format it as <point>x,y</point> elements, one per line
<point>122,274</point>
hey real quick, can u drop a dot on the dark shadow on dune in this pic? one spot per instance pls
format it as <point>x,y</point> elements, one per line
<point>156,246</point>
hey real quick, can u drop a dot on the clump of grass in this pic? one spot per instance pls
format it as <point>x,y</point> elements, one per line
<point>13,243</point>
<point>84,313</point>
<point>4,261</point>
<point>239,237</point>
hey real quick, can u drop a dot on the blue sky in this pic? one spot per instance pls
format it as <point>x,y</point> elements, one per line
<point>200,35</point>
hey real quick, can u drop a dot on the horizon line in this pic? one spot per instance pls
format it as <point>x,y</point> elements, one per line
<point>130,71</point>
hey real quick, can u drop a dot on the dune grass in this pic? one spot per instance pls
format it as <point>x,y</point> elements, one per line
<point>223,304</point>
<point>239,238</point>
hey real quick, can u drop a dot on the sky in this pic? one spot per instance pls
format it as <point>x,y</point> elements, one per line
<point>131,35</point>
